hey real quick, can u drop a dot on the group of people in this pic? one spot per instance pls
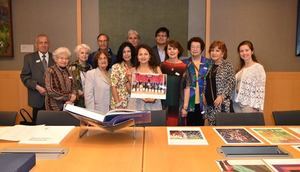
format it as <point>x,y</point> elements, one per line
<point>197,87</point>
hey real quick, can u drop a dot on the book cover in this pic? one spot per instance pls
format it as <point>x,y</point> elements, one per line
<point>242,166</point>
<point>113,118</point>
<point>185,136</point>
<point>277,135</point>
<point>17,162</point>
<point>237,135</point>
<point>152,86</point>
<point>283,165</point>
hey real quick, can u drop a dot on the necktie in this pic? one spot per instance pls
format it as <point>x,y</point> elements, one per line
<point>44,61</point>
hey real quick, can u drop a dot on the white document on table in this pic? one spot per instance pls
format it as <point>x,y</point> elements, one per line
<point>39,134</point>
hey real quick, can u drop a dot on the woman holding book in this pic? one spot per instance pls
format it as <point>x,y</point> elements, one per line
<point>120,85</point>
<point>249,93</point>
<point>174,68</point>
<point>145,65</point>
<point>220,82</point>
<point>98,84</point>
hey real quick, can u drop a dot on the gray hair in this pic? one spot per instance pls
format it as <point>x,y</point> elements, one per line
<point>81,46</point>
<point>131,31</point>
<point>61,51</point>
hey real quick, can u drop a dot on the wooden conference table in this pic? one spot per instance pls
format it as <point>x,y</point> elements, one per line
<point>97,151</point>
<point>161,157</point>
<point>119,151</point>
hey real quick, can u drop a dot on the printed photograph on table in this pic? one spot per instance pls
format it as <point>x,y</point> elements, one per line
<point>283,165</point>
<point>297,147</point>
<point>277,135</point>
<point>237,136</point>
<point>296,130</point>
<point>6,34</point>
<point>242,166</point>
<point>185,136</point>
<point>153,86</point>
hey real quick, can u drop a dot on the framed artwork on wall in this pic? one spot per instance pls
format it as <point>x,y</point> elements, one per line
<point>6,35</point>
<point>298,31</point>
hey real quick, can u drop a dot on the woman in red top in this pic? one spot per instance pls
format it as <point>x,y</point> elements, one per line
<point>174,68</point>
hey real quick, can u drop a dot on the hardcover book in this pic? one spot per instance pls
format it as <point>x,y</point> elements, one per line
<point>114,119</point>
<point>17,162</point>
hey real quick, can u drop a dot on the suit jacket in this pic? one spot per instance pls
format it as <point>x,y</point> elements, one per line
<point>156,54</point>
<point>33,73</point>
<point>97,91</point>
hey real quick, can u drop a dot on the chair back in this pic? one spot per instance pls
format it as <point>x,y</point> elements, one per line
<point>286,117</point>
<point>55,118</point>
<point>240,119</point>
<point>8,118</point>
<point>158,118</point>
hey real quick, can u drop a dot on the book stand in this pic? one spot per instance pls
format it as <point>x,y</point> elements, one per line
<point>86,125</point>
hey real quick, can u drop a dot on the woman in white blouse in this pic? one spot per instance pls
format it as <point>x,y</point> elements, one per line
<point>97,84</point>
<point>249,93</point>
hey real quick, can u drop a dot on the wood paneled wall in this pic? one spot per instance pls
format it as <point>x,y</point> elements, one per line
<point>282,92</point>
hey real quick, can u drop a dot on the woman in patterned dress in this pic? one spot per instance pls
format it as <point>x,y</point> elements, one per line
<point>120,85</point>
<point>220,82</point>
<point>59,82</point>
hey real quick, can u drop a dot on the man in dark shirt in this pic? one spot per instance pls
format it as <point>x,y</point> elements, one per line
<point>161,37</point>
<point>103,41</point>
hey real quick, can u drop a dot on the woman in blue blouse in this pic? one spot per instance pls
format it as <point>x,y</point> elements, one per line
<point>197,67</point>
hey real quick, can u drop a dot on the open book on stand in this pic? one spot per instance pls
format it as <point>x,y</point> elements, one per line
<point>113,120</point>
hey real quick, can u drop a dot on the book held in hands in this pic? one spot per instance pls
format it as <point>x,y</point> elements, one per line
<point>153,86</point>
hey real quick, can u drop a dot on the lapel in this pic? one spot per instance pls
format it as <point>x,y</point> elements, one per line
<point>37,61</point>
<point>101,76</point>
<point>51,61</point>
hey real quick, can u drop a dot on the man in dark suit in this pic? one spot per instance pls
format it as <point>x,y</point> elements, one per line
<point>32,74</point>
<point>161,37</point>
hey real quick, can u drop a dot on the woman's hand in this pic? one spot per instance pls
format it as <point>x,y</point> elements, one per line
<point>184,112</point>
<point>149,100</point>
<point>218,101</point>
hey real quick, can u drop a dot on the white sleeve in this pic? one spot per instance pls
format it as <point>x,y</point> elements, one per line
<point>89,90</point>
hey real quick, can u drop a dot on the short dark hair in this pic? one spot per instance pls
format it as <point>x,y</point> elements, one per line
<point>120,53</point>
<point>174,44</point>
<point>163,29</point>
<point>103,34</point>
<point>97,56</point>
<point>196,39</point>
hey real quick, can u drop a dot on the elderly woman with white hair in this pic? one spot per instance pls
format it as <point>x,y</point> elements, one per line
<point>59,82</point>
<point>79,69</point>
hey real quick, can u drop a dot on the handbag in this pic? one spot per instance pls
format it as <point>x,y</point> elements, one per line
<point>27,119</point>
